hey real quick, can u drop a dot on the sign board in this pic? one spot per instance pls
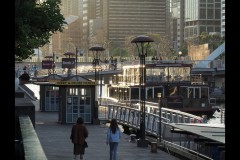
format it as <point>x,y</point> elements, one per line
<point>47,64</point>
<point>68,62</point>
<point>75,83</point>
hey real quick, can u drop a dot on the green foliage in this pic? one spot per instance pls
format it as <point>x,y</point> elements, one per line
<point>161,47</point>
<point>214,40</point>
<point>34,25</point>
<point>119,52</point>
<point>184,49</point>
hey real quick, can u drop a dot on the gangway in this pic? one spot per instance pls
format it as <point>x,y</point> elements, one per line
<point>211,57</point>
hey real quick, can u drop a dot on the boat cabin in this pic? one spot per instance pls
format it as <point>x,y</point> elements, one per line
<point>179,87</point>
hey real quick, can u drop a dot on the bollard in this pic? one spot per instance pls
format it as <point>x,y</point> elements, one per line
<point>192,120</point>
<point>154,147</point>
<point>204,118</point>
<point>133,138</point>
<point>198,120</point>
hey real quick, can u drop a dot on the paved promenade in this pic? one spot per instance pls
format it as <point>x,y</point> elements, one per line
<point>55,140</point>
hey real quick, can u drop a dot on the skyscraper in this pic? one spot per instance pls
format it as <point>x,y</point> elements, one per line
<point>222,18</point>
<point>89,12</point>
<point>177,23</point>
<point>122,18</point>
<point>71,7</point>
<point>202,16</point>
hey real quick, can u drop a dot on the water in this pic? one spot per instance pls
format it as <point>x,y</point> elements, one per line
<point>216,119</point>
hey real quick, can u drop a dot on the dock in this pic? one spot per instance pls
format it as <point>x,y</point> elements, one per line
<point>56,143</point>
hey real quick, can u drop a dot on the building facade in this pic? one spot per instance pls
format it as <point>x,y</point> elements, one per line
<point>70,38</point>
<point>177,23</point>
<point>123,18</point>
<point>223,18</point>
<point>202,16</point>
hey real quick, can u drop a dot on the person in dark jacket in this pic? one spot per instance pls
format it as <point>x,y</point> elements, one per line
<point>78,135</point>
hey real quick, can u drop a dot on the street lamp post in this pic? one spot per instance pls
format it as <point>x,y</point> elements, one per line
<point>96,50</point>
<point>69,67</point>
<point>180,53</point>
<point>159,95</point>
<point>142,42</point>
<point>76,62</point>
<point>53,65</point>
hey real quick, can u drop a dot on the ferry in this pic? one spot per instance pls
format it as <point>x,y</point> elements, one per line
<point>180,89</point>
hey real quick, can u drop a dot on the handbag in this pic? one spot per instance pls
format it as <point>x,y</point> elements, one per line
<point>85,145</point>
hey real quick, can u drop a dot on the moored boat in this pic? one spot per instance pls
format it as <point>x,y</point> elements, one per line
<point>180,89</point>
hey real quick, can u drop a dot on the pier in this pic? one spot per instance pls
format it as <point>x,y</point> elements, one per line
<point>55,140</point>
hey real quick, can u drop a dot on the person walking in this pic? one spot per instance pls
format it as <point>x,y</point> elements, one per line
<point>79,133</point>
<point>113,138</point>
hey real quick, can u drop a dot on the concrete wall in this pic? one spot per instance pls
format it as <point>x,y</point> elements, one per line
<point>24,106</point>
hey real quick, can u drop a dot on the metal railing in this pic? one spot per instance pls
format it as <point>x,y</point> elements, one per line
<point>128,113</point>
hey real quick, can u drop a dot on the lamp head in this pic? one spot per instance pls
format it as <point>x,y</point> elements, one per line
<point>159,95</point>
<point>95,49</point>
<point>140,41</point>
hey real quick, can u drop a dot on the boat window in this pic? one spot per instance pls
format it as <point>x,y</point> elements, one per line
<point>204,92</point>
<point>135,93</point>
<point>197,93</point>
<point>158,90</point>
<point>183,91</point>
<point>150,93</point>
<point>190,93</point>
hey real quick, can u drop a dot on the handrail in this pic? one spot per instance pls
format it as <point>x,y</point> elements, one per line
<point>28,94</point>
<point>130,115</point>
<point>110,100</point>
<point>188,153</point>
<point>31,144</point>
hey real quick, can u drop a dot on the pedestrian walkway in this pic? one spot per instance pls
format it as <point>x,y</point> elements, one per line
<point>56,143</point>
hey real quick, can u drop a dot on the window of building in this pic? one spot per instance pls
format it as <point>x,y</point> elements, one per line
<point>217,29</point>
<point>210,29</point>
<point>217,13</point>
<point>217,5</point>
<point>202,29</point>
<point>203,13</point>
<point>209,13</point>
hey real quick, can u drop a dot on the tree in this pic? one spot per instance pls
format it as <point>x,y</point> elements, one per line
<point>184,49</point>
<point>162,46</point>
<point>214,39</point>
<point>34,25</point>
<point>130,47</point>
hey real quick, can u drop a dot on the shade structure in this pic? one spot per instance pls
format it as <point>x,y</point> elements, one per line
<point>48,57</point>
<point>142,39</point>
<point>96,48</point>
<point>69,54</point>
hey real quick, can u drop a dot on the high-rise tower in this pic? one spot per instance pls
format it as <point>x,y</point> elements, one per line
<point>122,18</point>
<point>202,16</point>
